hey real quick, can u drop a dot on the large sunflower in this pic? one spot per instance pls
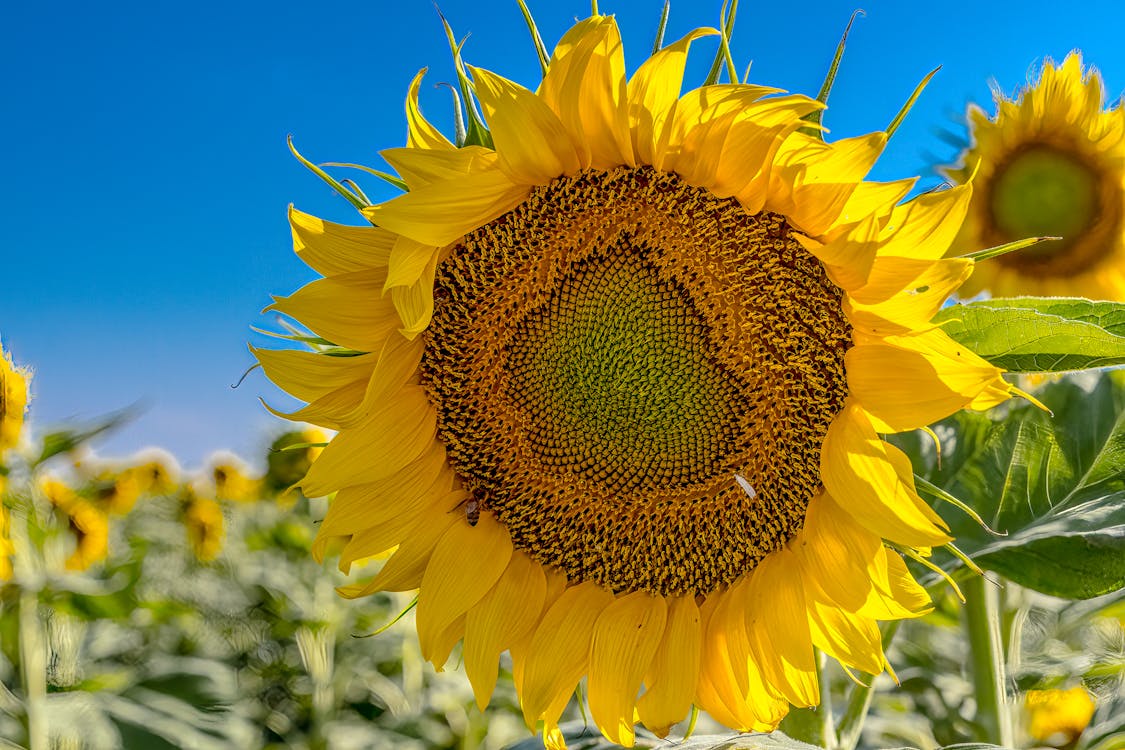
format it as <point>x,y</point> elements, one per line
<point>612,390</point>
<point>1050,163</point>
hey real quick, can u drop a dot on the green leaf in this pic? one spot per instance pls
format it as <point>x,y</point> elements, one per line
<point>1054,485</point>
<point>1040,334</point>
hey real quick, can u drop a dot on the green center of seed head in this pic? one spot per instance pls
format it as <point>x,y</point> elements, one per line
<point>1043,192</point>
<point>615,370</point>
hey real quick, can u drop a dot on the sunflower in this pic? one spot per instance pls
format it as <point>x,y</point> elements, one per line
<point>203,521</point>
<point>1051,163</point>
<point>1058,716</point>
<point>7,549</point>
<point>87,523</point>
<point>13,402</point>
<point>116,492</point>
<point>232,479</point>
<point>155,471</point>
<point>612,389</point>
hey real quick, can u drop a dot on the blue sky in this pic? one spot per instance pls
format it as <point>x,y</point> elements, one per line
<point>146,175</point>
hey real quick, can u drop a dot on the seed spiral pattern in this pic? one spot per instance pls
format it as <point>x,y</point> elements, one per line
<point>608,360</point>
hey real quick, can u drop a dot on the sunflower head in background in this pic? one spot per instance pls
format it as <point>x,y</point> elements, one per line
<point>13,402</point>
<point>610,380</point>
<point>87,524</point>
<point>1050,163</point>
<point>1058,716</point>
<point>203,521</point>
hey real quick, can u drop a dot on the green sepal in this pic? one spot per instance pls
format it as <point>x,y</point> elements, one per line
<point>829,82</point>
<point>476,133</point>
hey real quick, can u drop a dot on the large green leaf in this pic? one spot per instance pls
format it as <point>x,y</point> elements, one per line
<point>1040,334</point>
<point>1054,484</point>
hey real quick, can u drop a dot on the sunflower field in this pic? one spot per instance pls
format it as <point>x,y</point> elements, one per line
<point>638,415</point>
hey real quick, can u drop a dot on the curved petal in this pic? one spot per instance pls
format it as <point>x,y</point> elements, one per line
<point>911,310</point>
<point>670,684</point>
<point>925,227</point>
<point>419,132</point>
<point>330,249</point>
<point>505,614</point>
<point>906,382</point>
<point>653,91</point>
<point>560,650</point>
<point>307,375</point>
<point>346,309</point>
<point>532,144</point>
<point>393,437</point>
<point>857,471</point>
<point>778,629</point>
<point>626,636</point>
<point>421,167</point>
<point>585,86</point>
<point>466,563</point>
<point>441,213</point>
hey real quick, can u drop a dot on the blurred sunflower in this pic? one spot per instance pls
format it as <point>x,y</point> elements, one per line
<point>13,402</point>
<point>1050,163</point>
<point>6,546</point>
<point>88,525</point>
<point>155,471</point>
<point>116,492</point>
<point>232,479</point>
<point>203,521</point>
<point>1058,716</point>
<point>612,389</point>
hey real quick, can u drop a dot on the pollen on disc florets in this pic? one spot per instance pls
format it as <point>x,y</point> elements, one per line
<point>608,358</point>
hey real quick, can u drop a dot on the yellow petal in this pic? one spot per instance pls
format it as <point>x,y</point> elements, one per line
<point>699,124</point>
<point>626,637</point>
<point>330,248</point>
<point>421,167</point>
<point>394,436</point>
<point>403,493</point>
<point>505,614</point>
<point>419,132</point>
<point>585,87</point>
<point>405,568</point>
<point>560,649</point>
<point>398,362</point>
<point>858,472</point>
<point>374,540</point>
<point>849,638</point>
<point>912,309</point>
<point>896,594</point>
<point>836,553</point>
<point>441,213</point>
<point>670,684</point>
<point>778,630</point>
<point>876,198</point>
<point>415,303</point>
<point>924,227</point>
<point>849,258</point>
<point>653,91</point>
<point>910,381</point>
<point>466,563</point>
<point>346,309</point>
<point>445,642</point>
<point>889,277</point>
<point>532,144</point>
<point>307,375</point>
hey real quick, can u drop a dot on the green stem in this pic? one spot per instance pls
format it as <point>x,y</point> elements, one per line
<point>859,700</point>
<point>33,668</point>
<point>982,625</point>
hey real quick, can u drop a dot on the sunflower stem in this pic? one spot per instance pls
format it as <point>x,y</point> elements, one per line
<point>859,700</point>
<point>986,648</point>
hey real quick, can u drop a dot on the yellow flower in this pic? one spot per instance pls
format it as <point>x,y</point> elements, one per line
<point>613,390</point>
<point>6,547</point>
<point>232,479</point>
<point>1058,716</point>
<point>87,523</point>
<point>203,520</point>
<point>155,472</point>
<point>13,402</point>
<point>116,493</point>
<point>1051,163</point>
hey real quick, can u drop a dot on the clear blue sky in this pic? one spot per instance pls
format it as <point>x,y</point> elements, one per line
<point>146,176</point>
